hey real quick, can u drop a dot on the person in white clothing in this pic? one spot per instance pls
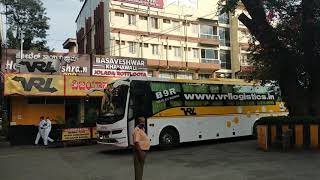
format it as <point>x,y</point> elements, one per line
<point>40,130</point>
<point>47,129</point>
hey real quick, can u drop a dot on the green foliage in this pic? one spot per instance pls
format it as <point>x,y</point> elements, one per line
<point>5,125</point>
<point>60,120</point>
<point>28,16</point>
<point>285,48</point>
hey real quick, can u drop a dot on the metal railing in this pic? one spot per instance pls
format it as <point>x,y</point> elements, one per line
<point>210,61</point>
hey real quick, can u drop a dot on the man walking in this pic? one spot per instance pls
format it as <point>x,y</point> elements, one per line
<point>40,131</point>
<point>47,129</point>
<point>141,146</point>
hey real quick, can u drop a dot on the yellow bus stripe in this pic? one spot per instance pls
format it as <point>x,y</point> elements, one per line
<point>218,110</point>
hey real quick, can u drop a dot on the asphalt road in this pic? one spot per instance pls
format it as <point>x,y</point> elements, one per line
<point>207,161</point>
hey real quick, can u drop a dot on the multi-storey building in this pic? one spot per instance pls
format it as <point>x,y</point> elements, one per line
<point>185,39</point>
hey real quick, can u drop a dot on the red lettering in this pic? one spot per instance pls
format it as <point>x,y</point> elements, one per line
<point>74,85</point>
<point>88,85</point>
<point>82,86</point>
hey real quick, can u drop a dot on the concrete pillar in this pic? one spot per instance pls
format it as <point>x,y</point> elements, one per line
<point>195,75</point>
<point>235,50</point>
<point>155,73</point>
<point>82,109</point>
<point>214,75</point>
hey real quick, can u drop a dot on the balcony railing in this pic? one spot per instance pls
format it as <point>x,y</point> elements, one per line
<point>210,61</point>
<point>208,36</point>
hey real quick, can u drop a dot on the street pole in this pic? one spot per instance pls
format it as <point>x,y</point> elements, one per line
<point>21,41</point>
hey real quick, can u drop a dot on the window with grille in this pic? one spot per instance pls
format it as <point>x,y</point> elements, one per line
<point>119,14</point>
<point>208,31</point>
<point>177,51</point>
<point>131,19</point>
<point>209,56</point>
<point>155,49</point>
<point>154,23</point>
<point>132,47</point>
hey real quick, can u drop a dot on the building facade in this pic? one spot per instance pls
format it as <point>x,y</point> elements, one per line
<point>48,84</point>
<point>178,38</point>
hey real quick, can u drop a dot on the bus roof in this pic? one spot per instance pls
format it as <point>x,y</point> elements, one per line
<point>208,81</point>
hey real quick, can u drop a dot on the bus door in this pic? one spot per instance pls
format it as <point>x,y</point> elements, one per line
<point>139,105</point>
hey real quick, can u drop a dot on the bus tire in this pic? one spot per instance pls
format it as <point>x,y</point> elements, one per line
<point>254,131</point>
<point>169,137</point>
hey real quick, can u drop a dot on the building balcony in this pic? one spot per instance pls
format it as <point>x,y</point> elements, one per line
<point>163,64</point>
<point>210,61</point>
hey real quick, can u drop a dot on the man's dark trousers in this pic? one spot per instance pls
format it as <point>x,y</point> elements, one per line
<point>138,164</point>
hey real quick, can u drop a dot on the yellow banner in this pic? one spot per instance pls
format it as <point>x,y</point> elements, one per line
<point>94,133</point>
<point>80,85</point>
<point>76,134</point>
<point>34,85</point>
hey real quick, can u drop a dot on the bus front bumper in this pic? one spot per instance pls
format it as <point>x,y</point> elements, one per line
<point>119,142</point>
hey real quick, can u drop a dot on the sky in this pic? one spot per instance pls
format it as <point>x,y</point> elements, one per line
<point>62,14</point>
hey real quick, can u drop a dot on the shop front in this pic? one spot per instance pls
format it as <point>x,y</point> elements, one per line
<point>56,85</point>
<point>63,99</point>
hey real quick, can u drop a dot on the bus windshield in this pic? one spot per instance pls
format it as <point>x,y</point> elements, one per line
<point>113,102</point>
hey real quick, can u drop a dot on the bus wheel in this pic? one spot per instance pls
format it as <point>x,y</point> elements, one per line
<point>254,131</point>
<point>169,137</point>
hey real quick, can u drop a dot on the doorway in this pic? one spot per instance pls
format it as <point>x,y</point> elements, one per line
<point>72,112</point>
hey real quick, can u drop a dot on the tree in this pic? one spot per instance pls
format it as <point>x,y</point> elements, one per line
<point>28,16</point>
<point>288,52</point>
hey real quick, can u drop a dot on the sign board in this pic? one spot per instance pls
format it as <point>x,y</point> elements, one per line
<point>116,73</point>
<point>45,63</point>
<point>79,85</point>
<point>118,66</point>
<point>149,3</point>
<point>76,134</point>
<point>38,66</point>
<point>34,84</point>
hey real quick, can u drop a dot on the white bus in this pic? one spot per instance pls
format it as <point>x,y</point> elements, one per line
<point>180,111</point>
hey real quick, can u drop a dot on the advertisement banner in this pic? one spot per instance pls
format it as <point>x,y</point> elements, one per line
<point>149,3</point>
<point>118,66</point>
<point>37,62</point>
<point>80,85</point>
<point>76,134</point>
<point>33,84</point>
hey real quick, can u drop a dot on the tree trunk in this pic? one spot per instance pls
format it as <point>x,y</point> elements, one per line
<point>311,59</point>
